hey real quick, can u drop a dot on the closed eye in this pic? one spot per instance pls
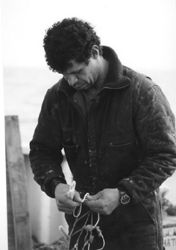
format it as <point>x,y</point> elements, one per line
<point>78,71</point>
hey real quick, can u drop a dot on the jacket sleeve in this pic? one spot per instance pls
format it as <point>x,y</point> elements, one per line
<point>155,130</point>
<point>45,148</point>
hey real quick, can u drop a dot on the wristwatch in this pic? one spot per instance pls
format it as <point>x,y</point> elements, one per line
<point>124,198</point>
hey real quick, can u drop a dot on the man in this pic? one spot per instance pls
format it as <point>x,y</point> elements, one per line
<point>118,133</point>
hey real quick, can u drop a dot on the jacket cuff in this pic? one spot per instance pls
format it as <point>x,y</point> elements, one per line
<point>127,186</point>
<point>52,185</point>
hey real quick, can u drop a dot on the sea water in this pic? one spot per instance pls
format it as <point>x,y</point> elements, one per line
<point>24,90</point>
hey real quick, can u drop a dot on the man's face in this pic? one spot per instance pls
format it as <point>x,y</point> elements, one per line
<point>82,76</point>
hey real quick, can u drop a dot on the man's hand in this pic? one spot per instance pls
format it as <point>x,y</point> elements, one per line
<point>104,202</point>
<point>64,203</point>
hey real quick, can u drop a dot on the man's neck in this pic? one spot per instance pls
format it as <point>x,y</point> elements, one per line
<point>103,73</point>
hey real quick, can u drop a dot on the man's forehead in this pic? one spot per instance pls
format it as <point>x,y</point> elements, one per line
<point>74,67</point>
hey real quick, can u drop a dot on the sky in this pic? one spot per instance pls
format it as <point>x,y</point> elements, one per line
<point>143,32</point>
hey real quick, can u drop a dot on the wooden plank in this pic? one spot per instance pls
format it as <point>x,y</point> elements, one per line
<point>11,226</point>
<point>19,230</point>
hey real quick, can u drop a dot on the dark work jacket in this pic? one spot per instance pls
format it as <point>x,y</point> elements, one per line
<point>126,141</point>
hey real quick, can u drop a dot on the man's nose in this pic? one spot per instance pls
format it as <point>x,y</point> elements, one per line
<point>72,79</point>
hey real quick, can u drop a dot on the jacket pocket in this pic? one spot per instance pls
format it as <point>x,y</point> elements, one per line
<point>119,140</point>
<point>120,157</point>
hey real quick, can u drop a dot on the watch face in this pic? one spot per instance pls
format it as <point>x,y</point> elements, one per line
<point>125,199</point>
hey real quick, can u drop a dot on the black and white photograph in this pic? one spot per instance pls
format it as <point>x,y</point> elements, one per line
<point>88,115</point>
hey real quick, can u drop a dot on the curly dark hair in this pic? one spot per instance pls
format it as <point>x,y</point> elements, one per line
<point>70,39</point>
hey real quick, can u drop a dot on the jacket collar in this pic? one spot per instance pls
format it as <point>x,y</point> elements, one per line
<point>114,80</point>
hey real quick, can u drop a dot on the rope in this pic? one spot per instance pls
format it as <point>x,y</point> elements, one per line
<point>88,239</point>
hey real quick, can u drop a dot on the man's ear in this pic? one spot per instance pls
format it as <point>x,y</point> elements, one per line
<point>95,51</point>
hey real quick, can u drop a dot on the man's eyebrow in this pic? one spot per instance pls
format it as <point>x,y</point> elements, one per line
<point>75,71</point>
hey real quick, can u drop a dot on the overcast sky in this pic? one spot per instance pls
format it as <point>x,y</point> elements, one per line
<point>143,32</point>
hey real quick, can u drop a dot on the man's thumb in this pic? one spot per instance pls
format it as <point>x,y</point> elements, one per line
<point>93,197</point>
<point>77,197</point>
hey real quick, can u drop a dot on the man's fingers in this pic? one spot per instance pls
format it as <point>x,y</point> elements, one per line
<point>65,210</point>
<point>94,197</point>
<point>95,204</point>
<point>69,203</point>
<point>77,198</point>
